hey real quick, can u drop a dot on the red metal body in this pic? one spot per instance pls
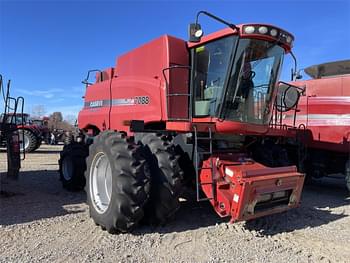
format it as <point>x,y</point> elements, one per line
<point>139,73</point>
<point>325,111</point>
<point>246,189</point>
<point>132,78</point>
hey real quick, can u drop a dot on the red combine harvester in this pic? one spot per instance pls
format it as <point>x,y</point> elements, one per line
<point>324,109</point>
<point>169,98</point>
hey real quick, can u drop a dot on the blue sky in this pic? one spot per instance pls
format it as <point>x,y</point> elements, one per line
<point>46,47</point>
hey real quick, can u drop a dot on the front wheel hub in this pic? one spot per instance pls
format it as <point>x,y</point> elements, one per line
<point>100,182</point>
<point>24,141</point>
<point>67,169</point>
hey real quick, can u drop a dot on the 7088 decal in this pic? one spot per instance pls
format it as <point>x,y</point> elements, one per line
<point>142,100</point>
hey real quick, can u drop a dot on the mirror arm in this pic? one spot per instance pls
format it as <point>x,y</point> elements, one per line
<point>85,81</point>
<point>294,72</point>
<point>217,19</point>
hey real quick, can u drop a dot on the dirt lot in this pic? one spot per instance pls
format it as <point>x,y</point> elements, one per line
<point>39,221</point>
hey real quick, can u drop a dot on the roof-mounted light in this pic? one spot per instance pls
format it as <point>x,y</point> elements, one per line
<point>279,35</point>
<point>263,30</point>
<point>273,32</point>
<point>249,29</point>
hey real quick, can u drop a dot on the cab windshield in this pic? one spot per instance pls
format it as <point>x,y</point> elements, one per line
<point>250,82</point>
<point>17,119</point>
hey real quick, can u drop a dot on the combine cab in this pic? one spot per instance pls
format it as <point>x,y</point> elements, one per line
<point>173,112</point>
<point>324,110</point>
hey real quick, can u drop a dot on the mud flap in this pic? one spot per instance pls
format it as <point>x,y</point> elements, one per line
<point>13,154</point>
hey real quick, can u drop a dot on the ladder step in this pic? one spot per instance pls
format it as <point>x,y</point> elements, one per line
<point>204,168</point>
<point>205,153</point>
<point>204,199</point>
<point>178,94</point>
<point>178,119</point>
<point>198,154</point>
<point>206,183</point>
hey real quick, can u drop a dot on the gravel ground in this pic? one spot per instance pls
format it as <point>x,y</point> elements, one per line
<point>39,221</point>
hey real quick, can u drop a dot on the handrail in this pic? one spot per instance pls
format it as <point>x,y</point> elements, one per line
<point>189,95</point>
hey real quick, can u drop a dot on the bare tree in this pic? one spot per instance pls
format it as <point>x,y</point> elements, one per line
<point>57,116</point>
<point>38,111</point>
<point>70,119</point>
<point>56,122</point>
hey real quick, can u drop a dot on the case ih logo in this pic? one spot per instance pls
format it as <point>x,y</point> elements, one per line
<point>96,103</point>
<point>138,100</point>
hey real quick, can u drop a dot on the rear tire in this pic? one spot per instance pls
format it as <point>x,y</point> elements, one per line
<point>72,166</point>
<point>118,182</point>
<point>347,174</point>
<point>38,144</point>
<point>167,177</point>
<point>30,140</point>
<point>68,138</point>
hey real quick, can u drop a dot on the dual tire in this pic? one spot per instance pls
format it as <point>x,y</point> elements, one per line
<point>117,182</point>
<point>167,177</point>
<point>125,182</point>
<point>72,165</point>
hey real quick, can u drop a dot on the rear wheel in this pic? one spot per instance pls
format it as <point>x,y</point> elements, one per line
<point>72,166</point>
<point>118,182</point>
<point>28,140</point>
<point>167,177</point>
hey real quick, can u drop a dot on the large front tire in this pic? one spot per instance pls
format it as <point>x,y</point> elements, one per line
<point>72,166</point>
<point>167,177</point>
<point>117,182</point>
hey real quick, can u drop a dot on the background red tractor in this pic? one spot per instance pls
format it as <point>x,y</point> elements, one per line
<point>173,112</point>
<point>31,133</point>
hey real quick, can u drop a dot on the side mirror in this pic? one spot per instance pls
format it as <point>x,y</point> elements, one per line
<point>299,76</point>
<point>195,32</point>
<point>287,96</point>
